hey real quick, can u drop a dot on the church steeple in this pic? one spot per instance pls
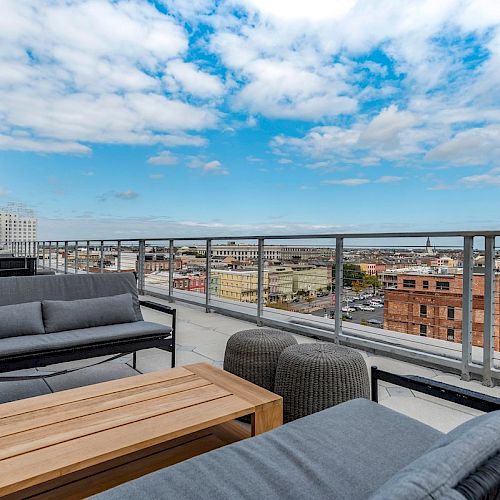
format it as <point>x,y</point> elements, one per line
<point>428,246</point>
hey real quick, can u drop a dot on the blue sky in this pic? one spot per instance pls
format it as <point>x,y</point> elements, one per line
<point>173,118</point>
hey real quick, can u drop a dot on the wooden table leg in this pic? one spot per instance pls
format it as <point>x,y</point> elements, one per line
<point>267,416</point>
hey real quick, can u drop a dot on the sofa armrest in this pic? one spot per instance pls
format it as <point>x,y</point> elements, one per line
<point>465,397</point>
<point>167,310</point>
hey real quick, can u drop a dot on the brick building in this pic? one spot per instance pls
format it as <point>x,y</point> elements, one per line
<point>431,305</point>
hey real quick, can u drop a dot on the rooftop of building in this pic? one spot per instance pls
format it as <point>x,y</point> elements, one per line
<point>202,338</point>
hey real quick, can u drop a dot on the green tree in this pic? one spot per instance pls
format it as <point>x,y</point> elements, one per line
<point>372,281</point>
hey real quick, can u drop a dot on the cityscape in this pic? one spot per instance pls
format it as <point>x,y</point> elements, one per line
<point>415,291</point>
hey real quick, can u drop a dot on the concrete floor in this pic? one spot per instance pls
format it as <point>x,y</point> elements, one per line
<point>202,338</point>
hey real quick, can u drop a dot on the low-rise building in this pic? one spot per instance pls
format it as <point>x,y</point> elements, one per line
<point>280,284</point>
<point>430,305</point>
<point>239,285</point>
<point>310,279</point>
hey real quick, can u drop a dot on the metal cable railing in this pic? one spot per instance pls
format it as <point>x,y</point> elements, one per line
<point>237,275</point>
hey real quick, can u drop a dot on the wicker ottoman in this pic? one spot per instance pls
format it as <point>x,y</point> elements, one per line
<point>312,377</point>
<point>253,354</point>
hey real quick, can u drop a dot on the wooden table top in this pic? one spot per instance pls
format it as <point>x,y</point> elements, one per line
<point>46,437</point>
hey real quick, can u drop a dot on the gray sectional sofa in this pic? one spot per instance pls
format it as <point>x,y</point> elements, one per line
<point>353,451</point>
<point>49,319</point>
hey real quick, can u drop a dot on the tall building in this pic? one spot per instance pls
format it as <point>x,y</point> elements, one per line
<point>17,224</point>
<point>430,305</point>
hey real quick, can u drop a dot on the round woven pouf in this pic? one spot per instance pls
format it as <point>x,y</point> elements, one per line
<point>312,377</point>
<point>253,354</point>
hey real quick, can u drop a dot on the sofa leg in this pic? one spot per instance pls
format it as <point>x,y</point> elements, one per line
<point>134,360</point>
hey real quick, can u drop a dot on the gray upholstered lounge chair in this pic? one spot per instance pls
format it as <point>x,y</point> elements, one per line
<point>353,451</point>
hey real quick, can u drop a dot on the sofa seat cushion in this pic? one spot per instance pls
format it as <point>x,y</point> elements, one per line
<point>452,459</point>
<point>343,452</point>
<point>21,319</point>
<point>61,315</point>
<point>29,344</point>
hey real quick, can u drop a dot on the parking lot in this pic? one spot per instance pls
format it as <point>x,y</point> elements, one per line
<point>357,316</point>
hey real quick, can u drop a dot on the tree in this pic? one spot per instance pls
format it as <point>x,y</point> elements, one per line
<point>357,286</point>
<point>373,282</point>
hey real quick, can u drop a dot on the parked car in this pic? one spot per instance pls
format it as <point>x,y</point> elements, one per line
<point>375,322</point>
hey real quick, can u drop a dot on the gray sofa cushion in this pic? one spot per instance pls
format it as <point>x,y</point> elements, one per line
<point>21,319</point>
<point>15,290</point>
<point>30,344</point>
<point>60,315</point>
<point>344,452</point>
<point>435,474</point>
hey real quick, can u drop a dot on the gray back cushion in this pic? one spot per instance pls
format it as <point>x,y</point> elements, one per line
<point>61,315</point>
<point>14,290</point>
<point>21,319</point>
<point>454,457</point>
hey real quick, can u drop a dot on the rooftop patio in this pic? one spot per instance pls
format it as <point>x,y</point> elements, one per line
<point>202,337</point>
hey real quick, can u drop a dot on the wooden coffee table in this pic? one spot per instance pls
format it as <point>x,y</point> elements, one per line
<point>75,443</point>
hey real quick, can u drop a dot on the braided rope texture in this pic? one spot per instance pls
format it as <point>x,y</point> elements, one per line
<point>312,377</point>
<point>253,354</point>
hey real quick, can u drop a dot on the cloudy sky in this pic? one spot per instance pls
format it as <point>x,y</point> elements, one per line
<point>181,117</point>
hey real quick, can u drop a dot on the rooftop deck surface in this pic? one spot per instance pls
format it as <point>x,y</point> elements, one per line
<point>202,337</point>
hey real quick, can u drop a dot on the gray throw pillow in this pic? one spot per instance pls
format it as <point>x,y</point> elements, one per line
<point>61,315</point>
<point>454,457</point>
<point>21,319</point>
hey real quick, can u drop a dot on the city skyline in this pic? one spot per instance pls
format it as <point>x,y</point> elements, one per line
<point>128,119</point>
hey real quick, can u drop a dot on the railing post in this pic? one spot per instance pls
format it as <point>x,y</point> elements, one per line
<point>76,257</point>
<point>43,255</point>
<point>468,276</point>
<point>208,263</point>
<point>66,249</point>
<point>50,255</point>
<point>489,309</point>
<point>339,286</point>
<point>88,257</point>
<point>260,280</point>
<point>140,266</point>
<point>171,261</point>
<point>101,261</point>
<point>119,256</point>
<point>57,256</point>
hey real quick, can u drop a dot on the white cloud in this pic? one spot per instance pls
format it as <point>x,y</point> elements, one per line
<point>22,143</point>
<point>127,195</point>
<point>254,159</point>
<point>347,182</point>
<point>475,146</point>
<point>191,80</point>
<point>491,178</point>
<point>3,192</point>
<point>156,177</point>
<point>213,167</point>
<point>184,140</point>
<point>385,129</point>
<point>163,158</point>
<point>386,179</point>
<point>89,71</point>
